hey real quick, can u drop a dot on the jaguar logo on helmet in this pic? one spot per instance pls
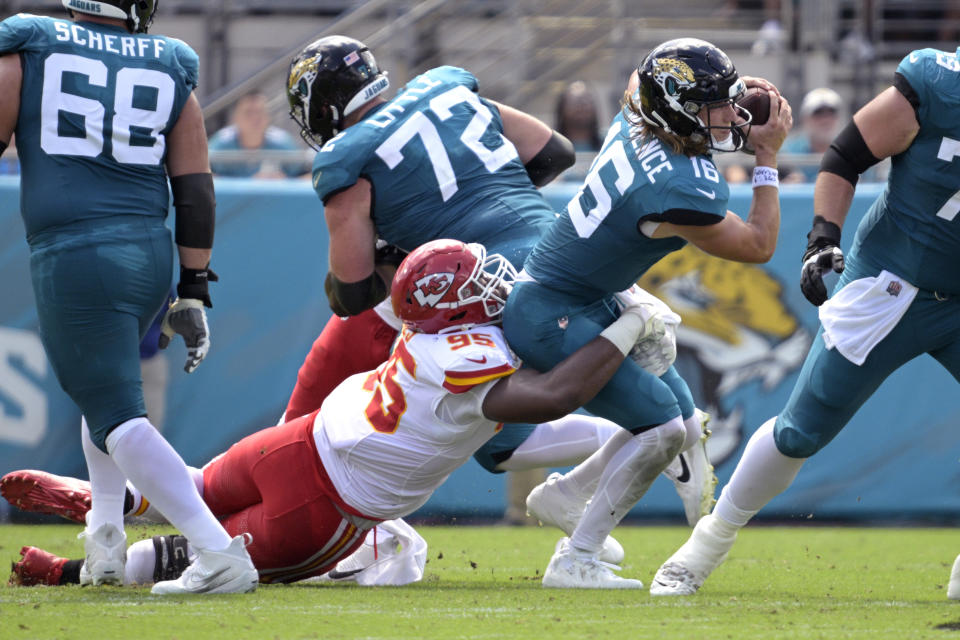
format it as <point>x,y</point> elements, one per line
<point>431,287</point>
<point>302,75</point>
<point>673,74</point>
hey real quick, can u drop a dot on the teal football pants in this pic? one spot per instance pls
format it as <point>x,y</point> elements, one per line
<point>98,286</point>
<point>831,389</point>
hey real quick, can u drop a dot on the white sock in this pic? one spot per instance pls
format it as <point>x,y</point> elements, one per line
<point>161,475</point>
<point>627,476</point>
<point>107,484</point>
<point>141,561</point>
<point>694,431</point>
<point>559,443</point>
<point>582,480</point>
<point>762,474</point>
<point>143,508</point>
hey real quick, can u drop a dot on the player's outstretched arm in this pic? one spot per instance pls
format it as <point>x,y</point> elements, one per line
<point>884,127</point>
<point>11,77</point>
<point>530,396</point>
<point>193,198</point>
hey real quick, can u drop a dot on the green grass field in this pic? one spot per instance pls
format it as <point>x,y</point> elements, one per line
<point>484,582</point>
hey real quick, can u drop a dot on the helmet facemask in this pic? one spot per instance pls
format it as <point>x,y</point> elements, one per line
<point>737,137</point>
<point>489,284</point>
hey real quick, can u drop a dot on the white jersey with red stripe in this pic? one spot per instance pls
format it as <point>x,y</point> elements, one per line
<point>388,438</point>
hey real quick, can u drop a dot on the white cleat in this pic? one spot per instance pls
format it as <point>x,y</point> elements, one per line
<point>227,571</point>
<point>693,477</point>
<point>548,504</point>
<point>106,555</point>
<point>953,589</point>
<point>686,570</point>
<point>569,569</point>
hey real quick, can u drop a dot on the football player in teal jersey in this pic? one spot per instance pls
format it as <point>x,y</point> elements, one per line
<point>103,113</point>
<point>435,161</point>
<point>652,188</point>
<point>898,295</point>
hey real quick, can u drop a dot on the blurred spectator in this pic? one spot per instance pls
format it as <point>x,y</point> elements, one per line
<point>818,125</point>
<point>578,119</point>
<point>251,130</point>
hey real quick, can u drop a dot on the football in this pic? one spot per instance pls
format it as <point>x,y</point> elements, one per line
<point>757,102</point>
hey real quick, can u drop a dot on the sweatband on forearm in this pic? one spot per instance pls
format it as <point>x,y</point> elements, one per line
<point>553,159</point>
<point>196,207</point>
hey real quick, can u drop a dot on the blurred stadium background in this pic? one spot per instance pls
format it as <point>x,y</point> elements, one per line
<point>746,329</point>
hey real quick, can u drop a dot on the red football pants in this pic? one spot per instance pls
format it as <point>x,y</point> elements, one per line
<point>345,346</point>
<point>272,485</point>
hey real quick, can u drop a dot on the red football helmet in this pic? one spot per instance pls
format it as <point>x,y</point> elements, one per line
<point>448,285</point>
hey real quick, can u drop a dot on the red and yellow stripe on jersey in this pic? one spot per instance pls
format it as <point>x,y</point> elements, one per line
<point>461,381</point>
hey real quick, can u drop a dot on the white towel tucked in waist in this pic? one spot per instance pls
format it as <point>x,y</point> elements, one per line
<point>856,318</point>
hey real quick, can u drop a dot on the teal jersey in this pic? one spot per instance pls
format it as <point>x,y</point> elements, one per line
<point>440,167</point>
<point>922,197</point>
<point>96,106</point>
<point>596,247</point>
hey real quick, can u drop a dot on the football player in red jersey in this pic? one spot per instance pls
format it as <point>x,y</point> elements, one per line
<point>382,442</point>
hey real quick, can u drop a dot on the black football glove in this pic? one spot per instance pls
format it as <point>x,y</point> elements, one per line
<point>187,317</point>
<point>823,254</point>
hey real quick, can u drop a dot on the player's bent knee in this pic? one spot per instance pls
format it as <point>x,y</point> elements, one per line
<point>675,434</point>
<point>669,441</point>
<point>795,443</point>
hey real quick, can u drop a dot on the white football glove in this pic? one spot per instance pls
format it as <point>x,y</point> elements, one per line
<point>187,317</point>
<point>656,348</point>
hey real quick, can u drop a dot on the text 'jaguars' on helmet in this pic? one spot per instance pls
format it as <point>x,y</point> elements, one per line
<point>448,285</point>
<point>680,80</point>
<point>138,14</point>
<point>327,81</point>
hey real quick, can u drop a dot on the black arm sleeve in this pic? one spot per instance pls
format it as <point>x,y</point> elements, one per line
<point>903,86</point>
<point>196,208</point>
<point>351,298</point>
<point>848,155</point>
<point>553,159</point>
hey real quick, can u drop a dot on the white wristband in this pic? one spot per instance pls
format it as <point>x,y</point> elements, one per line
<point>765,177</point>
<point>625,330</point>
